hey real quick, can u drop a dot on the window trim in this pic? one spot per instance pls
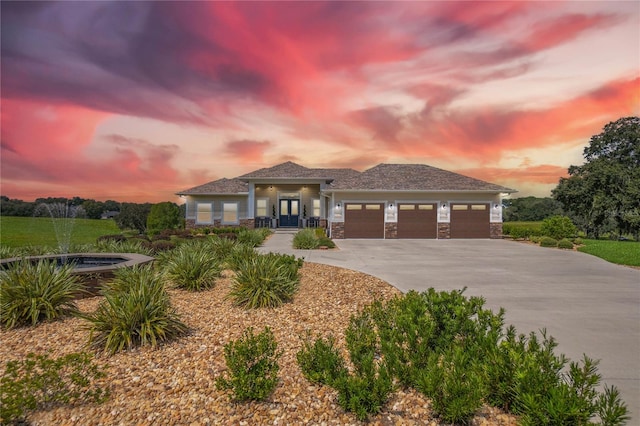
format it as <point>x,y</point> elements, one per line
<point>315,209</point>
<point>223,211</point>
<point>266,207</point>
<point>210,205</point>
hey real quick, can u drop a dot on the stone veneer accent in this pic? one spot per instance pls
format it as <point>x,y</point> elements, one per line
<point>337,230</point>
<point>495,231</point>
<point>444,231</point>
<point>391,230</point>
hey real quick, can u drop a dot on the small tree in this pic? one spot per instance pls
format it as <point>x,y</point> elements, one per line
<point>162,216</point>
<point>133,216</point>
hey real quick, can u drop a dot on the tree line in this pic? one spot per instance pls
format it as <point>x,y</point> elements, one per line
<point>138,216</point>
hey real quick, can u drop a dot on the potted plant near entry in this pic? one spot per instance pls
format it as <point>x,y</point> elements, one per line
<point>304,215</point>
<point>274,221</point>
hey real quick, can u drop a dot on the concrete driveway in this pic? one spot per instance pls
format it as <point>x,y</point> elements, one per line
<point>589,305</point>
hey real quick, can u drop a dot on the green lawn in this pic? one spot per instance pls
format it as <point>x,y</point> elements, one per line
<point>39,231</point>
<point>620,252</point>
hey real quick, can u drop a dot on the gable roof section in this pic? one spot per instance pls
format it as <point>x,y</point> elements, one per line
<point>220,186</point>
<point>291,170</point>
<point>414,177</point>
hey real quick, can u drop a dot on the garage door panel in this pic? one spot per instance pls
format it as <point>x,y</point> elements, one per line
<point>417,221</point>
<point>470,220</point>
<point>364,220</point>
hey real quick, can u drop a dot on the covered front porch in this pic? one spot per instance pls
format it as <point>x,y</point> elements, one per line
<point>287,205</point>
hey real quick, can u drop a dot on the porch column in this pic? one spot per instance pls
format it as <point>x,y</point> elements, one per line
<point>251,201</point>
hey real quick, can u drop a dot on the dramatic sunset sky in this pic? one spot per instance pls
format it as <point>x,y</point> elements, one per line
<point>134,101</point>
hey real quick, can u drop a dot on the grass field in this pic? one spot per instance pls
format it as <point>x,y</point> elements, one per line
<point>39,231</point>
<point>620,252</point>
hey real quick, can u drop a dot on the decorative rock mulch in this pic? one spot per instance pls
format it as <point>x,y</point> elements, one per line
<point>174,383</point>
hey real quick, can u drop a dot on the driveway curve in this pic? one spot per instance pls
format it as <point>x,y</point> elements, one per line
<point>589,305</point>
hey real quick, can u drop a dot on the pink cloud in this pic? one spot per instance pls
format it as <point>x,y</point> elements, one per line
<point>248,151</point>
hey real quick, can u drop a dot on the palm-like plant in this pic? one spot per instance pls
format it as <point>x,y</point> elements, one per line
<point>136,311</point>
<point>193,267</point>
<point>265,281</point>
<point>31,292</point>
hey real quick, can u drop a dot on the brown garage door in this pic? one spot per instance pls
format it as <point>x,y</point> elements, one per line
<point>469,220</point>
<point>363,220</point>
<point>417,221</point>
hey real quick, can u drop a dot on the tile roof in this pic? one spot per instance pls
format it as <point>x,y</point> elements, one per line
<point>414,177</point>
<point>220,186</point>
<point>383,177</point>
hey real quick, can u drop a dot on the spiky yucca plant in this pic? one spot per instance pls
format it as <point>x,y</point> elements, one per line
<point>265,281</point>
<point>136,311</point>
<point>192,267</point>
<point>31,292</point>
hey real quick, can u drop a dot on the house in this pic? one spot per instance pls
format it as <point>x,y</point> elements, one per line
<point>385,201</point>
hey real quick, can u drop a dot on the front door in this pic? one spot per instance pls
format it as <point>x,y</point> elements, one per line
<point>289,212</point>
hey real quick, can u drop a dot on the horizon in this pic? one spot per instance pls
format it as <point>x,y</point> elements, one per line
<point>135,101</point>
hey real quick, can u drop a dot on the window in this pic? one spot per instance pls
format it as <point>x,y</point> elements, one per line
<point>372,207</point>
<point>425,207</point>
<point>229,213</point>
<point>407,207</point>
<point>460,207</point>
<point>204,213</point>
<point>354,206</point>
<point>261,207</point>
<point>478,207</point>
<point>315,211</point>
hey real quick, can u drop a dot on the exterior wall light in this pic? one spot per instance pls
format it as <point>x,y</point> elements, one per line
<point>338,206</point>
<point>391,206</point>
<point>444,206</point>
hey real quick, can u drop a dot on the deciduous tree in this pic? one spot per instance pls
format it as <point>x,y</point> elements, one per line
<point>605,191</point>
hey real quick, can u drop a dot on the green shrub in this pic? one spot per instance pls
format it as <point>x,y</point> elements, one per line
<point>160,246</point>
<point>455,383</point>
<point>252,366</point>
<point>326,242</point>
<point>565,244</point>
<point>221,247</point>
<point>192,267</point>
<point>265,281</point>
<point>226,230</point>
<point>136,311</point>
<point>31,292</point>
<point>535,239</point>
<point>112,237</point>
<point>521,230</point>
<point>558,227</point>
<point>132,245</point>
<point>312,238</point>
<point>305,239</point>
<point>253,237</point>
<point>611,408</point>
<point>239,254</point>
<point>578,241</point>
<point>364,395</point>
<point>366,390</point>
<point>321,361</point>
<point>39,380</point>
<point>548,242</point>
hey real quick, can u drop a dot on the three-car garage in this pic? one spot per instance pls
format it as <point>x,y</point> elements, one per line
<point>416,220</point>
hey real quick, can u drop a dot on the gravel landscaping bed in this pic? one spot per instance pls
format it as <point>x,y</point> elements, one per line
<point>174,384</point>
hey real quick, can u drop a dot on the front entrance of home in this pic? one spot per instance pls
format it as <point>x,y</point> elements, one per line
<point>289,213</point>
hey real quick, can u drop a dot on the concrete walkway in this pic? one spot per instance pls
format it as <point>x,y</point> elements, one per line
<point>589,305</point>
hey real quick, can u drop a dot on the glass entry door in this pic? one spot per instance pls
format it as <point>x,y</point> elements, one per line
<point>289,213</point>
